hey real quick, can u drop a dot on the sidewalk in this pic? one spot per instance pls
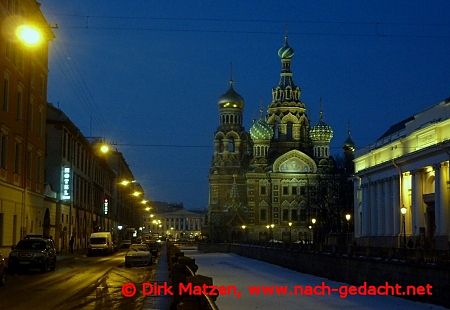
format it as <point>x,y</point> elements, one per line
<point>161,276</point>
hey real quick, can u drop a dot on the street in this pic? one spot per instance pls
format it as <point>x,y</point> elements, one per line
<point>78,282</point>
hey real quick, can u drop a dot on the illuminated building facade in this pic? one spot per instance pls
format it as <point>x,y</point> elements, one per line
<point>23,100</point>
<point>407,167</point>
<point>279,172</point>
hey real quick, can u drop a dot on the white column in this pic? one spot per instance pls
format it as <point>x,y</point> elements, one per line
<point>396,204</point>
<point>418,219</point>
<point>373,209</point>
<point>437,198</point>
<point>365,209</point>
<point>445,195</point>
<point>380,208</point>
<point>387,207</point>
<point>356,206</point>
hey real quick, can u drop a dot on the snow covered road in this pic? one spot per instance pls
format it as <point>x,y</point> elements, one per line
<point>230,269</point>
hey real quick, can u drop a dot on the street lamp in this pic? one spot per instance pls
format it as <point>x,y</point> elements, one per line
<point>243,228</point>
<point>290,232</point>
<point>29,35</point>
<point>313,221</point>
<point>271,231</point>
<point>348,217</point>
<point>403,212</point>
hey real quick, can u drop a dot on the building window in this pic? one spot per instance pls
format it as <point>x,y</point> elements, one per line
<point>5,102</point>
<point>302,190</point>
<point>294,215</point>
<point>285,215</point>
<point>294,190</point>
<point>19,105</point>
<point>17,157</point>
<point>3,150</point>
<point>285,190</point>
<point>303,215</point>
<point>38,169</point>
<point>30,166</point>
<point>230,147</point>
<point>263,190</point>
<point>289,130</point>
<point>262,215</point>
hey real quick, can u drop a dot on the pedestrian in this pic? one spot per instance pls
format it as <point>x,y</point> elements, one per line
<point>71,242</point>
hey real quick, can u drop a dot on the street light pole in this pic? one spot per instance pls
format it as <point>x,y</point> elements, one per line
<point>290,232</point>
<point>403,211</point>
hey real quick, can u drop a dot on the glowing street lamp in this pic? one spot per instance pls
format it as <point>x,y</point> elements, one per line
<point>144,201</point>
<point>136,194</point>
<point>245,232</point>
<point>104,148</point>
<point>147,209</point>
<point>403,212</point>
<point>290,232</point>
<point>313,220</point>
<point>29,35</point>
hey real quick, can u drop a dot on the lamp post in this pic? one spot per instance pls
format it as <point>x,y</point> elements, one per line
<point>403,212</point>
<point>290,232</point>
<point>245,232</point>
<point>271,231</point>
<point>348,217</point>
<point>313,231</point>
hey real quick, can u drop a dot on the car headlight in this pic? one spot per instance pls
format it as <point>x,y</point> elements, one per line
<point>13,254</point>
<point>39,255</point>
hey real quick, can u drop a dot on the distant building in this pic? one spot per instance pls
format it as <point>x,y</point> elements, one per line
<point>279,172</point>
<point>407,167</point>
<point>179,224</point>
<point>23,100</point>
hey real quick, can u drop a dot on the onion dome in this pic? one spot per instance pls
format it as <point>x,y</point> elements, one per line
<point>348,143</point>
<point>321,132</point>
<point>231,99</point>
<point>286,52</point>
<point>260,130</point>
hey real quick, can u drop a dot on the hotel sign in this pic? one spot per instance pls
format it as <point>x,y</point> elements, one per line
<point>66,185</point>
<point>105,206</point>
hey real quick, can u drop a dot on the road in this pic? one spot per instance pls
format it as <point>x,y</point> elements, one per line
<point>78,282</point>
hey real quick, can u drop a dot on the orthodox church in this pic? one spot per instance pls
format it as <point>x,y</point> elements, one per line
<point>277,181</point>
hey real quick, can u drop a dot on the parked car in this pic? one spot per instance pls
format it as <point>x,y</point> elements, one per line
<point>33,252</point>
<point>100,243</point>
<point>154,247</point>
<point>138,254</point>
<point>2,270</point>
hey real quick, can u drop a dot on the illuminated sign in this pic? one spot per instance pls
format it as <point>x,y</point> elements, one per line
<point>66,184</point>
<point>105,206</point>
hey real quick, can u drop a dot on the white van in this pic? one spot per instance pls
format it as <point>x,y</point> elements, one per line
<point>100,242</point>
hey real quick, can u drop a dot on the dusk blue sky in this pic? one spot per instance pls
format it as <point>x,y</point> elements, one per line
<point>150,72</point>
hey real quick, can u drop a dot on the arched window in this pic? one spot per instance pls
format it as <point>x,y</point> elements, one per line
<point>289,130</point>
<point>276,130</point>
<point>231,146</point>
<point>220,146</point>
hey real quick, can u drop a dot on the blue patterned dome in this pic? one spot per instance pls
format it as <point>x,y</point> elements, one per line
<point>260,130</point>
<point>286,52</point>
<point>321,132</point>
<point>231,99</point>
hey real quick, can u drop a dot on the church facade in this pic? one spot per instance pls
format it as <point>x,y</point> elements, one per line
<point>278,181</point>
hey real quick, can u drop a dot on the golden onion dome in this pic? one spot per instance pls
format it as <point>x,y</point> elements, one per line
<point>321,132</point>
<point>231,99</point>
<point>260,130</point>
